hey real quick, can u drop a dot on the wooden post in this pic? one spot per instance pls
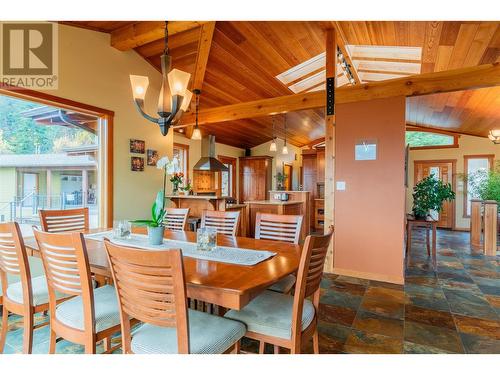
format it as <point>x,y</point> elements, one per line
<point>475,223</point>
<point>48,187</point>
<point>490,227</point>
<point>331,64</point>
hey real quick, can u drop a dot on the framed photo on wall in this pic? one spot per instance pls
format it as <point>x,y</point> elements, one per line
<point>137,164</point>
<point>152,157</point>
<point>137,146</point>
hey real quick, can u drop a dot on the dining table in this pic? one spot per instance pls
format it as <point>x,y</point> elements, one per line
<point>230,286</point>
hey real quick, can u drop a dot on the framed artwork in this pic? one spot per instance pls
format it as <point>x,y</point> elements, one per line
<point>137,146</point>
<point>152,157</point>
<point>137,164</point>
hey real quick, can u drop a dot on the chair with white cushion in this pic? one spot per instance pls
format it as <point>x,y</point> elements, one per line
<point>23,285</point>
<point>176,219</point>
<point>151,288</point>
<point>92,314</point>
<point>284,228</point>
<point>284,320</point>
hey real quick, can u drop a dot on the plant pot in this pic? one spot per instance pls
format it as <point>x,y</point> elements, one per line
<point>155,235</point>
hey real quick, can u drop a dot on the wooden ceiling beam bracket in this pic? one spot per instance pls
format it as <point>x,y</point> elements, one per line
<point>342,44</point>
<point>486,75</point>
<point>143,32</point>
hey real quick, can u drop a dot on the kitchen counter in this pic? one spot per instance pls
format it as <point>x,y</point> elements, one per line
<point>273,202</point>
<point>205,197</point>
<point>271,207</point>
<point>234,205</point>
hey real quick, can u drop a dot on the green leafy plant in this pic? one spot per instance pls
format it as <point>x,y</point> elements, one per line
<point>187,187</point>
<point>157,212</point>
<point>429,194</point>
<point>280,179</point>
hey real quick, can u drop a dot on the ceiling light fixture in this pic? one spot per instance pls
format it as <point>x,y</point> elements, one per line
<point>196,132</point>
<point>284,151</point>
<point>272,146</point>
<point>174,96</point>
<point>494,136</point>
<point>345,66</point>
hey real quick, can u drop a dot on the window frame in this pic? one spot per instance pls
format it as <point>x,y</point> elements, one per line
<point>233,161</point>
<point>185,151</point>
<point>105,131</point>
<point>491,160</point>
<point>434,131</point>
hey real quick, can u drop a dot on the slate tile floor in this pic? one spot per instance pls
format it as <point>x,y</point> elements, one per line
<point>453,310</point>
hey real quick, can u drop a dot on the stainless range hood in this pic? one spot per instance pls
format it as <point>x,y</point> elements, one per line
<point>208,161</point>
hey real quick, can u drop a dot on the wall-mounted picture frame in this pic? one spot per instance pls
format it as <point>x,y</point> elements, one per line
<point>136,164</point>
<point>152,157</point>
<point>137,146</point>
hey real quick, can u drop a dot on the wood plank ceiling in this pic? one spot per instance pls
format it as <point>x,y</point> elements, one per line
<point>245,58</point>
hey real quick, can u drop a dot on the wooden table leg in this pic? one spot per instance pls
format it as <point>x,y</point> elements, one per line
<point>408,242</point>
<point>427,234</point>
<point>434,231</point>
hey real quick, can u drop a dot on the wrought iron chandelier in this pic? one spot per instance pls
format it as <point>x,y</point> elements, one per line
<point>174,96</point>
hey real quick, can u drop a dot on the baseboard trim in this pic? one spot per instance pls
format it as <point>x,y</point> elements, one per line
<point>370,276</point>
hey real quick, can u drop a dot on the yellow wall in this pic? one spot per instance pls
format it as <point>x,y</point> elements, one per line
<point>294,157</point>
<point>92,72</point>
<point>468,145</point>
<point>220,150</point>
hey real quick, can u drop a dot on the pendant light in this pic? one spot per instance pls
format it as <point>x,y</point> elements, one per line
<point>174,96</point>
<point>272,146</point>
<point>494,136</point>
<point>196,132</point>
<point>284,151</point>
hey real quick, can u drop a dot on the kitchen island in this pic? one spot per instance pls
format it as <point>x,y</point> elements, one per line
<point>272,207</point>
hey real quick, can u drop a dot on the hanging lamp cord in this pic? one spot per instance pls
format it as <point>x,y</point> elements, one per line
<point>285,129</point>
<point>165,50</point>
<point>197,107</point>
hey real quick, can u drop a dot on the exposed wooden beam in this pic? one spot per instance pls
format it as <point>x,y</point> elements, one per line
<point>486,75</point>
<point>341,43</point>
<point>140,33</point>
<point>204,44</point>
<point>206,35</point>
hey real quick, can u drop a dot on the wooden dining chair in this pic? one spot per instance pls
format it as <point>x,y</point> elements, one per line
<point>150,287</point>
<point>91,315</point>
<point>55,221</point>
<point>286,228</point>
<point>225,222</point>
<point>23,285</point>
<point>176,219</point>
<point>284,320</point>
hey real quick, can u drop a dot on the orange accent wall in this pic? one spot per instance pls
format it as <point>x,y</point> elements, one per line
<point>369,214</point>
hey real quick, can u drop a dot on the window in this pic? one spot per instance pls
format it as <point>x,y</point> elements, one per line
<point>181,152</point>
<point>474,167</point>
<point>227,180</point>
<point>425,139</point>
<point>53,156</point>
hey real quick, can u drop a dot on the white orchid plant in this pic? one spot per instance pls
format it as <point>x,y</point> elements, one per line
<point>169,167</point>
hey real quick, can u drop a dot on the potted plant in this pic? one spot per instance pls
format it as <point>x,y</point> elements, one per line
<point>280,180</point>
<point>429,194</point>
<point>186,189</point>
<point>155,224</point>
<point>170,167</point>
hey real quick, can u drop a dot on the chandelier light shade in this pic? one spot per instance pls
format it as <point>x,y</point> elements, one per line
<point>174,96</point>
<point>494,136</point>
